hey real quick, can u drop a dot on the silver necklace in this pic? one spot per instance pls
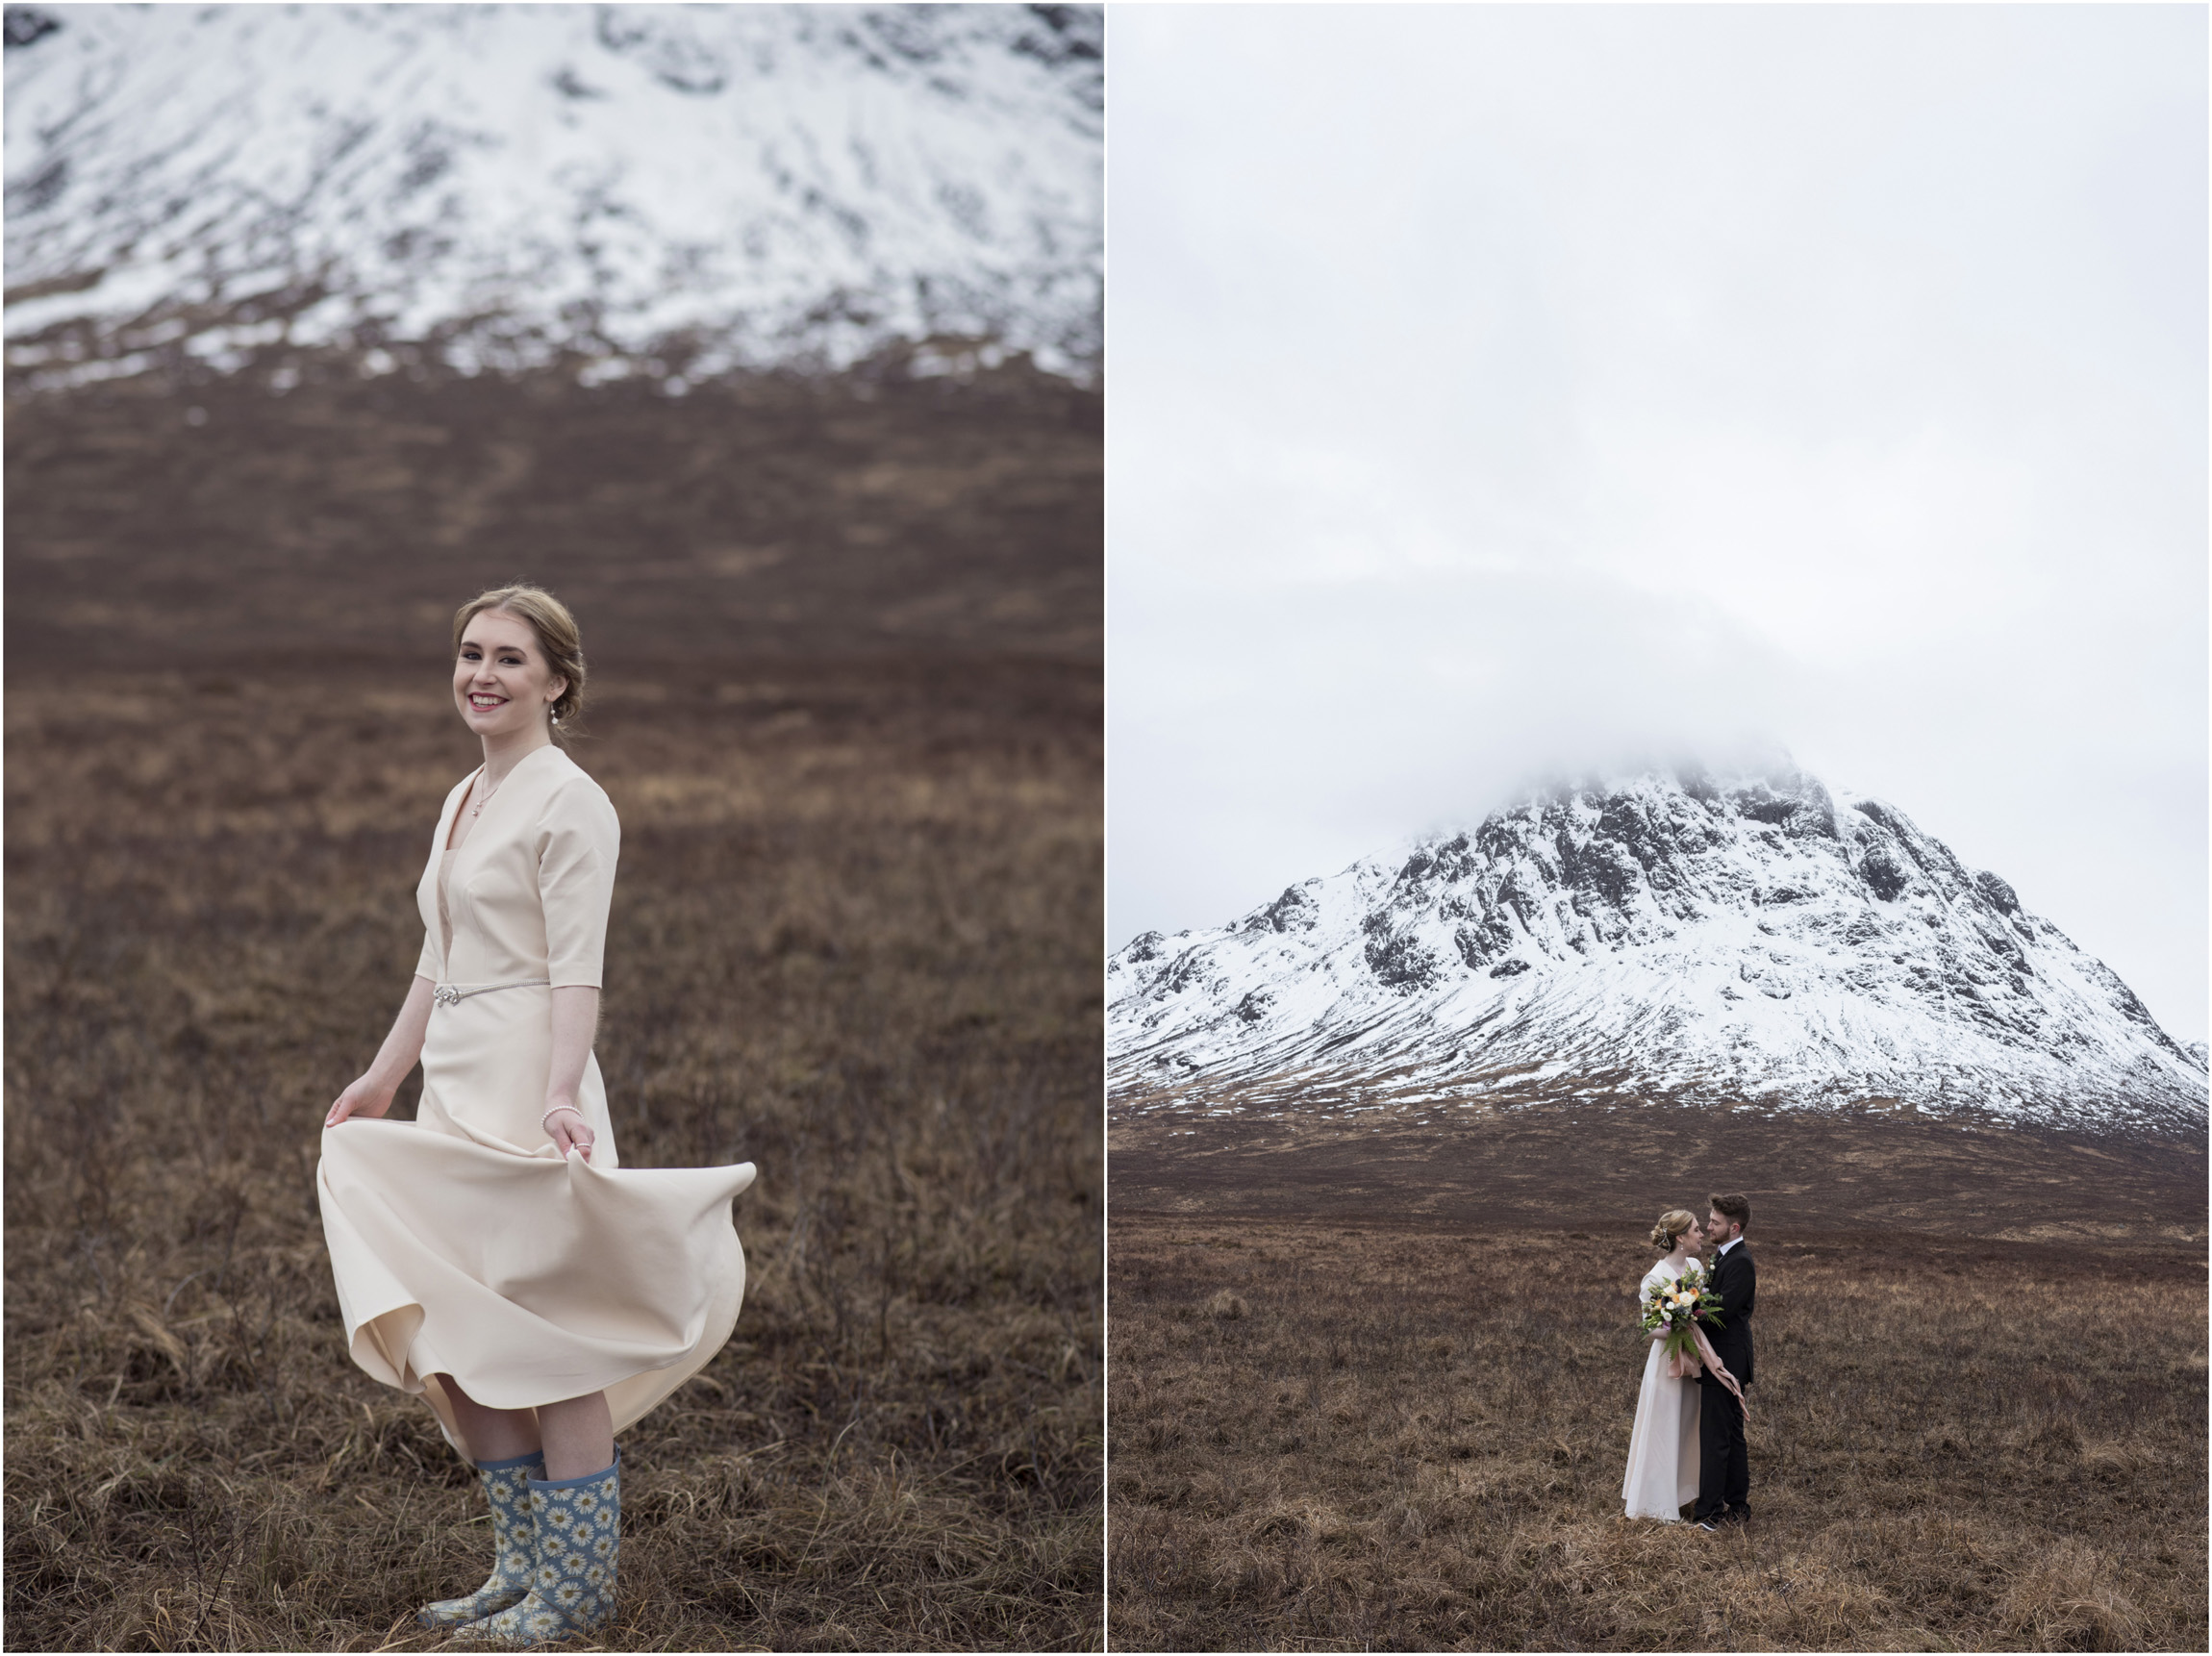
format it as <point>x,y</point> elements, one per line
<point>477,810</point>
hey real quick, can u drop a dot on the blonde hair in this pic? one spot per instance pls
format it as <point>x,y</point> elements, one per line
<point>558,636</point>
<point>1672,1223</point>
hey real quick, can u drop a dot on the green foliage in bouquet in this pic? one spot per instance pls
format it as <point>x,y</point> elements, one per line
<point>1673,1309</point>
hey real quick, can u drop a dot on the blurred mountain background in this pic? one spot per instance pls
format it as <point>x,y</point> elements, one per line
<point>752,328</point>
<point>664,190</point>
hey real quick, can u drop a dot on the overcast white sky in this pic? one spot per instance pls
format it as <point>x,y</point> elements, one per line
<point>1497,389</point>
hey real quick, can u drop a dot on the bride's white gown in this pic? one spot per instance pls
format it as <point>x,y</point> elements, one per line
<point>1662,1446</point>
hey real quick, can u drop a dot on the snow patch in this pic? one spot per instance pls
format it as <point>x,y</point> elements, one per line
<point>697,186</point>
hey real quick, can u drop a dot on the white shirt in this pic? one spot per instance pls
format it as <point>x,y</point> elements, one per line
<point>1724,1248</point>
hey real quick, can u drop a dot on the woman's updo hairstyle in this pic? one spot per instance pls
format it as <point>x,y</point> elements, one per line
<point>1674,1223</point>
<point>557,635</point>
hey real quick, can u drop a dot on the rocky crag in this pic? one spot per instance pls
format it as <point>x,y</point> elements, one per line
<point>1674,936</point>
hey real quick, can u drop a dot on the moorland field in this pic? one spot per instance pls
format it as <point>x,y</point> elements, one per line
<point>1373,1379</point>
<point>845,647</point>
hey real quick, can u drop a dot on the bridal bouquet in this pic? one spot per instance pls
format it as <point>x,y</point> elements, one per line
<point>1673,1309</point>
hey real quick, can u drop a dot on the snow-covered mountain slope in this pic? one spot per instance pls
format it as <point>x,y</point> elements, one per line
<point>654,189</point>
<point>1675,935</point>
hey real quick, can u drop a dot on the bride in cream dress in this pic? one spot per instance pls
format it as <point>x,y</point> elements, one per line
<point>492,1255</point>
<point>1663,1445</point>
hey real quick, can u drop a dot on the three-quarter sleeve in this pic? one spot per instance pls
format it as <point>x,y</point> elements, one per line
<point>578,840</point>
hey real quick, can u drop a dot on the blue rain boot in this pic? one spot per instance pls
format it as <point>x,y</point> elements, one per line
<point>579,1536</point>
<point>514,1532</point>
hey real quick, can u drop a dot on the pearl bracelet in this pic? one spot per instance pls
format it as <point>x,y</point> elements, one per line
<point>570,1108</point>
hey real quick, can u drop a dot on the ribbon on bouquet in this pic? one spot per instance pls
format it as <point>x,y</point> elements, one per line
<point>1721,1370</point>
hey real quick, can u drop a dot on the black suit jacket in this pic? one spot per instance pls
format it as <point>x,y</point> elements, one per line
<point>1736,1280</point>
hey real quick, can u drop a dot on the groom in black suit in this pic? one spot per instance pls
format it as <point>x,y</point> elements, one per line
<point>1724,1463</point>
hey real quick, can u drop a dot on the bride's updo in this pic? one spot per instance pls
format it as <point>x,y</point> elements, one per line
<point>1672,1226</point>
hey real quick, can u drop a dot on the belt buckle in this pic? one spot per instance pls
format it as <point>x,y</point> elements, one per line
<point>446,995</point>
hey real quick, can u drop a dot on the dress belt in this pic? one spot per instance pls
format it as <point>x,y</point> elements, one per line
<point>449,994</point>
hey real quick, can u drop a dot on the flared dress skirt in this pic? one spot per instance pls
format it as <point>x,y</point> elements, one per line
<point>1662,1477</point>
<point>464,1243</point>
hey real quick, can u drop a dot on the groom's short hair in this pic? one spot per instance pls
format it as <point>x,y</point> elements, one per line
<point>1734,1207</point>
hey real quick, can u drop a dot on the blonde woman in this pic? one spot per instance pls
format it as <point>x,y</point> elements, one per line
<point>492,1255</point>
<point>1662,1477</point>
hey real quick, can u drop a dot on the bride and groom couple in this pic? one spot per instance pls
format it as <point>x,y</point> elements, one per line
<point>1688,1442</point>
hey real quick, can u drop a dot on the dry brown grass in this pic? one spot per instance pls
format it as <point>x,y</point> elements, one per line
<point>767,515</point>
<point>854,939</point>
<point>1584,1165</point>
<point>1413,1439</point>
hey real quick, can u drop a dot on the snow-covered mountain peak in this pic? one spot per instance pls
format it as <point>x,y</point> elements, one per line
<point>1685,933</point>
<point>698,185</point>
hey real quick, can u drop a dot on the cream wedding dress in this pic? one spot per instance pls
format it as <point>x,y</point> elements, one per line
<point>1663,1445</point>
<point>462,1241</point>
